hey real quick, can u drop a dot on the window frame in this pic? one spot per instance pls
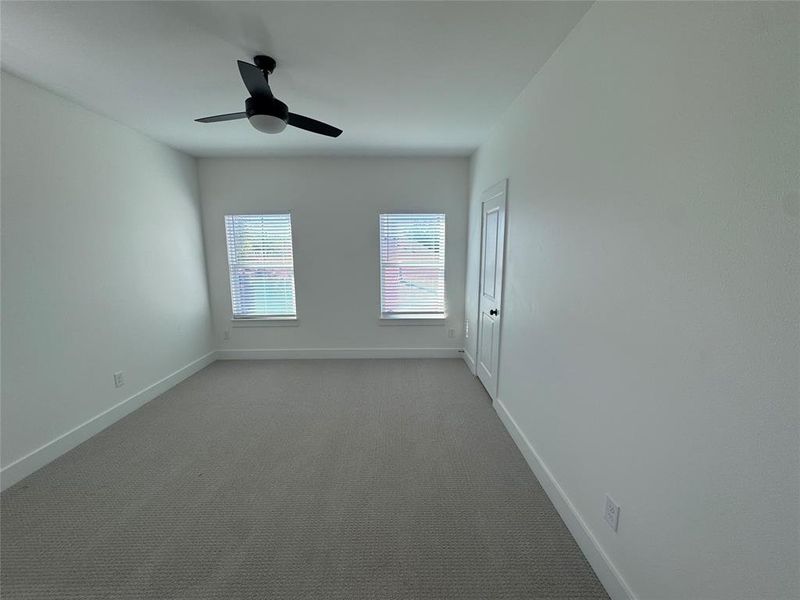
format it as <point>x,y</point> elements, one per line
<point>261,320</point>
<point>410,318</point>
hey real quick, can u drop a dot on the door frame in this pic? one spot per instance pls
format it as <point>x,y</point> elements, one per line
<point>491,192</point>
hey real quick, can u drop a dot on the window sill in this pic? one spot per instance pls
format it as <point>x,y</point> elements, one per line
<point>434,319</point>
<point>266,322</point>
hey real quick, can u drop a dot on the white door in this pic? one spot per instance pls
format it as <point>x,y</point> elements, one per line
<point>493,227</point>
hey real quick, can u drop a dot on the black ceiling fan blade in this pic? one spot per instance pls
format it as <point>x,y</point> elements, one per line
<point>218,118</point>
<point>313,125</point>
<point>254,79</point>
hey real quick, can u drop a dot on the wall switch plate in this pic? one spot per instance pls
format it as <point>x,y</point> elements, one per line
<point>451,333</point>
<point>226,335</point>
<point>611,514</point>
<point>119,380</point>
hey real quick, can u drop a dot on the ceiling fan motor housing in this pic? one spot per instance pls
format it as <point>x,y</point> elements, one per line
<point>268,115</point>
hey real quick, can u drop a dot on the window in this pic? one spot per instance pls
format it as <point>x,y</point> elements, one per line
<point>412,265</point>
<point>261,266</point>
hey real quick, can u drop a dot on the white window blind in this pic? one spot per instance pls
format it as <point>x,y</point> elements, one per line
<point>261,265</point>
<point>412,265</point>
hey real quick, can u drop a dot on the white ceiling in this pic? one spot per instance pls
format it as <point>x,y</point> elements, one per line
<point>397,77</point>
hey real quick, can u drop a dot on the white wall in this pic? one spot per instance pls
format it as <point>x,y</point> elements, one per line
<point>102,271</point>
<point>650,342</point>
<point>335,204</point>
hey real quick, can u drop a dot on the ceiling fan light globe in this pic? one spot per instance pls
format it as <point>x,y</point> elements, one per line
<point>267,123</point>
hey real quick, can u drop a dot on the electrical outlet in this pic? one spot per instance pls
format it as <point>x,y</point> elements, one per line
<point>451,333</point>
<point>611,514</point>
<point>226,335</point>
<point>119,380</point>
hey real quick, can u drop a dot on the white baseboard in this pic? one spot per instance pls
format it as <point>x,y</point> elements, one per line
<point>609,576</point>
<point>278,353</point>
<point>33,461</point>
<point>470,361</point>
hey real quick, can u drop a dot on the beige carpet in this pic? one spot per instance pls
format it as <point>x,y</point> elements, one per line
<point>347,479</point>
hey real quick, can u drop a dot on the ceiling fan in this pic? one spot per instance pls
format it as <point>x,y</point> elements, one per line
<point>264,111</point>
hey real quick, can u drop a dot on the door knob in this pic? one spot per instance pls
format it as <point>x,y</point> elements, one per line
<point>493,311</point>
